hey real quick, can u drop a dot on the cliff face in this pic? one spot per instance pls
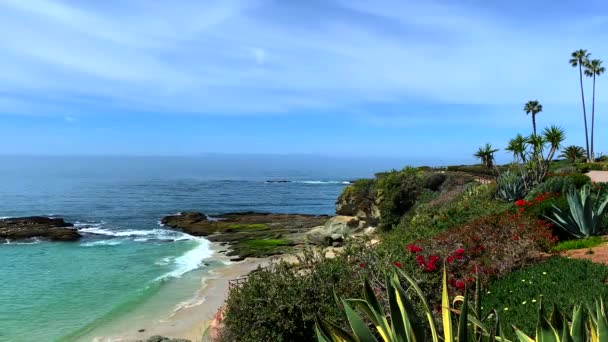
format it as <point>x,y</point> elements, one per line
<point>382,201</point>
<point>361,201</point>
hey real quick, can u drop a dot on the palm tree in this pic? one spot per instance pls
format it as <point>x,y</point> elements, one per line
<point>579,59</point>
<point>533,107</point>
<point>517,146</point>
<point>573,153</point>
<point>554,136</point>
<point>592,69</point>
<point>486,155</point>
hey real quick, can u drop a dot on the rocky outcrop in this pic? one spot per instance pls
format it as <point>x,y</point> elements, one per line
<point>248,234</point>
<point>336,230</point>
<point>55,229</point>
<point>360,200</point>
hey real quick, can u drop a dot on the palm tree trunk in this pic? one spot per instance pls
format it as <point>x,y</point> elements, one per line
<point>534,123</point>
<point>580,72</point>
<point>593,120</point>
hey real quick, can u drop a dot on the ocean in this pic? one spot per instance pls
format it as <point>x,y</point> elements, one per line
<point>127,263</point>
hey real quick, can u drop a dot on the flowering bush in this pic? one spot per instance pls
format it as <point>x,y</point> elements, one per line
<point>488,246</point>
<point>541,205</point>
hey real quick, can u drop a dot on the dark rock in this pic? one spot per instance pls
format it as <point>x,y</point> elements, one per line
<point>237,258</point>
<point>249,234</point>
<point>55,229</point>
<point>141,330</point>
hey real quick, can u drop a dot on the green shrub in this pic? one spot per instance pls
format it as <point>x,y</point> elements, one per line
<point>562,281</point>
<point>358,196</point>
<point>397,193</point>
<point>473,169</point>
<point>560,184</point>
<point>578,244</point>
<point>586,167</point>
<point>433,181</point>
<point>542,205</point>
<point>279,303</point>
<point>450,209</point>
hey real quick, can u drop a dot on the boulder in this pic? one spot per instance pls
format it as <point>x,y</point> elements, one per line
<point>336,229</point>
<point>56,229</point>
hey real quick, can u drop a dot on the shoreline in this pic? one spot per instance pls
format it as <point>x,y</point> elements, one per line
<point>190,319</point>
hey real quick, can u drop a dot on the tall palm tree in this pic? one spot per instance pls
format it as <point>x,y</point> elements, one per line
<point>486,155</point>
<point>579,59</point>
<point>573,153</point>
<point>592,69</point>
<point>533,107</point>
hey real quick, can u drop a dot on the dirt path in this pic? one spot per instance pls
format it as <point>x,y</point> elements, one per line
<point>598,176</point>
<point>598,254</point>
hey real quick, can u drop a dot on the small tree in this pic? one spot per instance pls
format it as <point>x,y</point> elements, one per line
<point>537,153</point>
<point>573,153</point>
<point>486,155</point>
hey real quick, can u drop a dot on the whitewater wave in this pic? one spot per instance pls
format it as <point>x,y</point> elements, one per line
<point>139,235</point>
<point>313,182</point>
<point>30,241</point>
<point>102,243</point>
<point>190,260</point>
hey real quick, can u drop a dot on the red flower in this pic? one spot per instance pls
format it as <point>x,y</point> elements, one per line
<point>453,282</point>
<point>460,284</point>
<point>459,251</point>
<point>420,260</point>
<point>450,259</point>
<point>413,248</point>
<point>521,210</point>
<point>520,203</point>
<point>361,265</point>
<point>398,264</point>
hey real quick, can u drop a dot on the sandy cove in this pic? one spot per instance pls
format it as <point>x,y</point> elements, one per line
<point>192,319</point>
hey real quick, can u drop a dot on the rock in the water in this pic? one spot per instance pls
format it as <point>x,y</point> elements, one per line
<point>56,229</point>
<point>249,234</point>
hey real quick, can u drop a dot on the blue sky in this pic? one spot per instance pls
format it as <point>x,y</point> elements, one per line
<point>395,78</point>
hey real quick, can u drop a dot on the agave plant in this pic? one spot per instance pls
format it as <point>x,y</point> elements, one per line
<point>510,186</point>
<point>584,215</point>
<point>405,324</point>
<point>588,324</point>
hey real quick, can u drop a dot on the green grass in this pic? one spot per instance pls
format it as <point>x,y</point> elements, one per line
<point>558,280</point>
<point>578,244</point>
<point>253,226</point>
<point>262,243</point>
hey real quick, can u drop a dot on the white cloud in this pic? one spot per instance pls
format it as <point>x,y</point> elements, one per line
<point>263,56</point>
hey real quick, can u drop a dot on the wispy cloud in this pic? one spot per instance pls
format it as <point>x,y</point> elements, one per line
<point>245,57</point>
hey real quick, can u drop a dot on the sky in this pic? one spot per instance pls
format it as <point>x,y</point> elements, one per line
<point>430,80</point>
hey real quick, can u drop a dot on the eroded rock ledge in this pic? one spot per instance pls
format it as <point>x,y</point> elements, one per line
<point>19,228</point>
<point>249,234</point>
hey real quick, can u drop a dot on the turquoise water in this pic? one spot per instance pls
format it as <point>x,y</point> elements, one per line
<point>62,291</point>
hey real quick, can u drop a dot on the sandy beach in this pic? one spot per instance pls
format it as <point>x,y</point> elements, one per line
<point>190,320</point>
